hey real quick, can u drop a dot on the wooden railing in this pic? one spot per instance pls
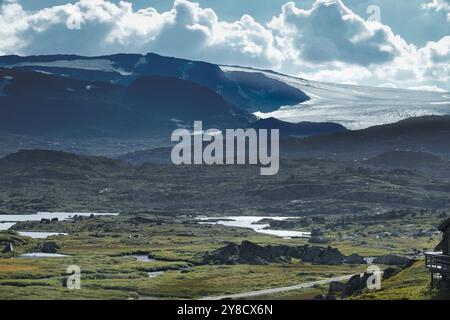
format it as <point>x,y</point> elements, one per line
<point>437,262</point>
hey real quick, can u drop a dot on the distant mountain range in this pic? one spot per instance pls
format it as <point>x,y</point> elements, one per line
<point>112,105</point>
<point>251,92</point>
<point>40,180</point>
<point>415,137</point>
<point>429,134</point>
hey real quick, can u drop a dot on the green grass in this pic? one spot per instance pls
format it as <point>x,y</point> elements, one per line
<point>410,284</point>
<point>101,247</point>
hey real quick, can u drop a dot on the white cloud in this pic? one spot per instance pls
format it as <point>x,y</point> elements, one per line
<point>438,5</point>
<point>94,27</point>
<point>329,32</point>
<point>327,42</point>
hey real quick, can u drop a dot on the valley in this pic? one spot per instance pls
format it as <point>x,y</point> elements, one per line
<point>396,213</point>
<point>363,180</point>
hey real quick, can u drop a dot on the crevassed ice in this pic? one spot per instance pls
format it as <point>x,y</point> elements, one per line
<point>355,107</point>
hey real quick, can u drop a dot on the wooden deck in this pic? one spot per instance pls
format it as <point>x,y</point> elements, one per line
<point>437,262</point>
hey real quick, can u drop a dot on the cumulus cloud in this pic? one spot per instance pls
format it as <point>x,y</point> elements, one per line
<point>327,42</point>
<point>93,27</point>
<point>329,31</point>
<point>438,5</point>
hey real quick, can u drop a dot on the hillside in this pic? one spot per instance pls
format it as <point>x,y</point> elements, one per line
<point>422,134</point>
<point>55,181</point>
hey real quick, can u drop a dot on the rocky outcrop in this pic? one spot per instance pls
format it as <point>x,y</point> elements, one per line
<point>393,260</point>
<point>319,255</point>
<point>355,285</point>
<point>49,247</point>
<point>245,253</point>
<point>250,253</point>
<point>336,288</point>
<point>390,272</point>
<point>355,259</point>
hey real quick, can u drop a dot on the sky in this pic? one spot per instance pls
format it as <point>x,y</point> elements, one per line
<point>391,43</point>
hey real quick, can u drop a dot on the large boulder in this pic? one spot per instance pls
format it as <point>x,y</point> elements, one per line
<point>50,247</point>
<point>320,255</point>
<point>355,259</point>
<point>393,260</point>
<point>331,256</point>
<point>354,285</point>
<point>336,288</point>
<point>245,253</point>
<point>251,253</point>
<point>390,272</point>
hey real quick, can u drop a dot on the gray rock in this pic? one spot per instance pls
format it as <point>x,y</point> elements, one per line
<point>393,260</point>
<point>336,288</point>
<point>331,256</point>
<point>50,247</point>
<point>355,259</point>
<point>390,272</point>
<point>250,253</point>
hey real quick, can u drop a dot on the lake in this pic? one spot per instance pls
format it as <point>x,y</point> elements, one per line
<point>40,235</point>
<point>251,222</point>
<point>142,258</point>
<point>40,255</point>
<point>9,220</point>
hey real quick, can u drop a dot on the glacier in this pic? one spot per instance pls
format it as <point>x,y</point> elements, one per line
<point>355,107</point>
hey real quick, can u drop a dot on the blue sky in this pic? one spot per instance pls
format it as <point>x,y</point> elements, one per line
<point>319,39</point>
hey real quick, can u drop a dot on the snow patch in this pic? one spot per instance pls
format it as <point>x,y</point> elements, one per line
<point>355,107</point>
<point>94,64</point>
<point>43,72</point>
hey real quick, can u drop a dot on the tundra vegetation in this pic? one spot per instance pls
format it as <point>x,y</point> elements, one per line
<point>357,210</point>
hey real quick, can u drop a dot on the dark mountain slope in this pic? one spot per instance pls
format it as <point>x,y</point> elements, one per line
<point>409,160</point>
<point>427,134</point>
<point>299,129</point>
<point>250,91</point>
<point>44,105</point>
<point>54,181</point>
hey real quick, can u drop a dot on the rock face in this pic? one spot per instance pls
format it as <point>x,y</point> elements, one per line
<point>336,288</point>
<point>250,253</point>
<point>393,260</point>
<point>390,272</point>
<point>330,256</point>
<point>355,285</point>
<point>8,248</point>
<point>355,259</point>
<point>245,253</point>
<point>50,247</point>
